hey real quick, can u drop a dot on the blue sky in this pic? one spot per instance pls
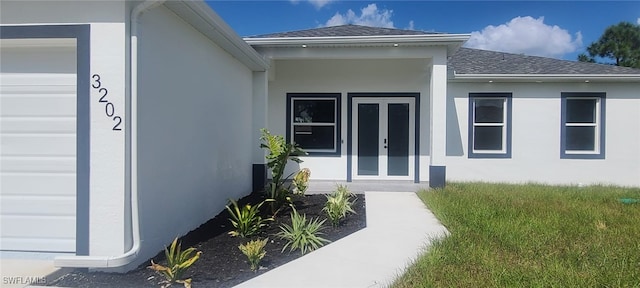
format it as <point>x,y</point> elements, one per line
<point>558,29</point>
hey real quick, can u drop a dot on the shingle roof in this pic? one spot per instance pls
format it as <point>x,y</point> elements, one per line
<point>471,61</point>
<point>474,61</point>
<point>344,30</point>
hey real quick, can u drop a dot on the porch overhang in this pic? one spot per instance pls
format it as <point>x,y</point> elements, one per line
<point>385,46</point>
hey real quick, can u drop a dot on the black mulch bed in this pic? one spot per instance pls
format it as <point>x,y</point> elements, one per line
<point>222,264</point>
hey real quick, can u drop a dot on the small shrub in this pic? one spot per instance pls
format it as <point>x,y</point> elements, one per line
<point>302,234</point>
<point>338,205</point>
<point>246,221</point>
<point>301,181</point>
<point>254,250</point>
<point>177,263</point>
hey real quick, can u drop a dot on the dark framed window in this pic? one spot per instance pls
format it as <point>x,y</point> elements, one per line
<point>582,127</point>
<point>489,125</point>
<point>313,122</point>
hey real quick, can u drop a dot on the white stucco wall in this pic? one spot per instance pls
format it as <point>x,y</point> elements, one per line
<point>536,136</point>
<point>195,129</point>
<point>107,148</point>
<point>345,76</point>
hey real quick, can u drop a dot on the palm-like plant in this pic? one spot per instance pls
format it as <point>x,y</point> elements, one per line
<point>178,262</point>
<point>338,205</point>
<point>246,220</point>
<point>301,181</point>
<point>254,250</point>
<point>279,154</point>
<point>302,234</point>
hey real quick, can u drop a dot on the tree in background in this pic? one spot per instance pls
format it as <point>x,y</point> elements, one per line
<point>620,43</point>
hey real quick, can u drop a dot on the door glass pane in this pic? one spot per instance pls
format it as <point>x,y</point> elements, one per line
<point>398,141</point>
<point>581,138</point>
<point>487,138</point>
<point>368,137</point>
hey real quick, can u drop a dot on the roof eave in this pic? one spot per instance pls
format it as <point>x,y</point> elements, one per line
<point>205,20</point>
<point>426,39</point>
<point>545,77</point>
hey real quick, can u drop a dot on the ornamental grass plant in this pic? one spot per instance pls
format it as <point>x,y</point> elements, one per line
<point>302,234</point>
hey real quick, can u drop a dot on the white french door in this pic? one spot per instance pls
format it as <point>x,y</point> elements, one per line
<point>383,138</point>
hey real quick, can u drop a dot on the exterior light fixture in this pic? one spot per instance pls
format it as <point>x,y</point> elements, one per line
<point>304,45</point>
<point>395,45</point>
<point>586,81</point>
<point>490,81</point>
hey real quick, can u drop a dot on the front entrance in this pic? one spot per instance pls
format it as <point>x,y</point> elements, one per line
<point>383,138</point>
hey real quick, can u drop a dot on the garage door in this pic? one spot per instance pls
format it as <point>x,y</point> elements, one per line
<point>38,145</point>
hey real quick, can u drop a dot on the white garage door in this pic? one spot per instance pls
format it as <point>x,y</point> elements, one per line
<point>38,145</point>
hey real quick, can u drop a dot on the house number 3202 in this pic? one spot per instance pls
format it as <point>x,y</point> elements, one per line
<point>109,108</point>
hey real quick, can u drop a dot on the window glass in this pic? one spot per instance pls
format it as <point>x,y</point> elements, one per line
<point>581,138</point>
<point>489,125</point>
<point>489,111</point>
<point>582,127</point>
<point>487,138</point>
<point>314,137</point>
<point>314,111</point>
<point>313,121</point>
<point>581,110</point>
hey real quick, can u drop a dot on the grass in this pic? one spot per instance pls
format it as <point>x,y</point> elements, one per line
<point>530,236</point>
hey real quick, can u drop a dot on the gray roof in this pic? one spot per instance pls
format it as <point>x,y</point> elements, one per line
<point>471,61</point>
<point>344,30</point>
<point>475,61</point>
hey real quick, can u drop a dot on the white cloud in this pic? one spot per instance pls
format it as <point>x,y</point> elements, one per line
<point>638,21</point>
<point>526,35</point>
<point>319,3</point>
<point>411,26</point>
<point>369,16</point>
<point>316,3</point>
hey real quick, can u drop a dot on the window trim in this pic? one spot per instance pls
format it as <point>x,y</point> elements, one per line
<point>599,153</point>
<point>506,152</point>
<point>337,97</point>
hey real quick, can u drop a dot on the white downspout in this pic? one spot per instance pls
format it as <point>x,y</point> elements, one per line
<point>129,256</point>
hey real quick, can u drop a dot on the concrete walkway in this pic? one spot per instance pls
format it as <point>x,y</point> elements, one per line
<point>399,227</point>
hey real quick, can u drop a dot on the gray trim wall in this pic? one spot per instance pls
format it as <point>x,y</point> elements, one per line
<point>437,176</point>
<point>416,157</point>
<point>259,177</point>
<point>82,35</point>
<point>470,137</point>
<point>563,127</point>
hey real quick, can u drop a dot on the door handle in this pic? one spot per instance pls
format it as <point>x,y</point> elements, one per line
<point>385,142</point>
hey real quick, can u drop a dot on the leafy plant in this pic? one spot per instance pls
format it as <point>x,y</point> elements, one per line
<point>302,234</point>
<point>178,262</point>
<point>279,154</point>
<point>246,220</point>
<point>301,181</point>
<point>339,204</point>
<point>254,250</point>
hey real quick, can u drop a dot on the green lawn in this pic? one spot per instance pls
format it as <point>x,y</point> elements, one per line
<point>531,236</point>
